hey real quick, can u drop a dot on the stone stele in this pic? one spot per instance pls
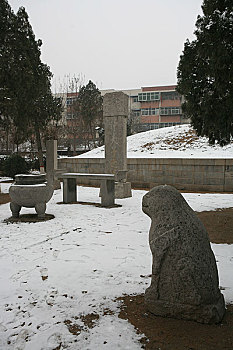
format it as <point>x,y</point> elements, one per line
<point>184,282</point>
<point>115,112</point>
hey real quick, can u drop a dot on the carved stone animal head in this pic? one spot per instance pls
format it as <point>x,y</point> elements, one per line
<point>164,199</point>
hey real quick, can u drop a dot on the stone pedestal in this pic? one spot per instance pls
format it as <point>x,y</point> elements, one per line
<point>108,193</point>
<point>115,112</point>
<point>69,190</point>
<point>123,190</point>
<point>51,163</point>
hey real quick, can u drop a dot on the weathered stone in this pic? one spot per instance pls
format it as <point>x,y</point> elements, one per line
<point>115,111</point>
<point>123,190</point>
<point>30,179</point>
<point>30,191</point>
<point>184,282</point>
<point>107,187</point>
<point>51,163</point>
<point>115,104</point>
<point>69,190</point>
<point>107,193</point>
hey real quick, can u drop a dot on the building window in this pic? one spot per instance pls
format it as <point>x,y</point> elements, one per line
<point>145,111</point>
<point>150,111</point>
<point>149,96</point>
<point>154,111</point>
<point>70,100</point>
<point>170,95</point>
<point>136,112</point>
<point>135,98</point>
<point>170,111</point>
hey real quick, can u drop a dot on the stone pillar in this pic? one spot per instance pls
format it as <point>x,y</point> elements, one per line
<point>51,163</point>
<point>115,112</point>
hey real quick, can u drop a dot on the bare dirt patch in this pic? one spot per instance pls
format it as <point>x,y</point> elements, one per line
<point>170,334</point>
<point>4,198</point>
<point>188,138</point>
<point>219,225</point>
<point>89,321</point>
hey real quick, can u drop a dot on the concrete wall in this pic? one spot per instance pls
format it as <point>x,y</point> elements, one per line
<point>184,174</point>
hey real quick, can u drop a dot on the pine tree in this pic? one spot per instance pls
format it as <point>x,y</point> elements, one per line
<point>7,103</point>
<point>36,94</point>
<point>25,79</point>
<point>90,109</point>
<point>205,73</point>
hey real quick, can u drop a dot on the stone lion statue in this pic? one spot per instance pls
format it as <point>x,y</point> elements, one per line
<point>184,282</point>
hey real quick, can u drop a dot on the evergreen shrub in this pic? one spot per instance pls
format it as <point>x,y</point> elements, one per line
<point>15,164</point>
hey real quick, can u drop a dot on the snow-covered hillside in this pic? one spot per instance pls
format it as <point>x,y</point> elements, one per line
<point>172,142</point>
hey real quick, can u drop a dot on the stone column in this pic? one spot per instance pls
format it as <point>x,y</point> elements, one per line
<point>51,163</point>
<point>115,112</point>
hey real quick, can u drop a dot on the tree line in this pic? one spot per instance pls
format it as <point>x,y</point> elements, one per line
<point>27,104</point>
<point>205,73</point>
<point>28,109</point>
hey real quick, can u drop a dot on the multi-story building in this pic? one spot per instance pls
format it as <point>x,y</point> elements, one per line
<point>149,108</point>
<point>160,107</point>
<point>154,107</point>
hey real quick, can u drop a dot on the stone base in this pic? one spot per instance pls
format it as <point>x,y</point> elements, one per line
<point>56,185</point>
<point>123,190</point>
<point>203,313</point>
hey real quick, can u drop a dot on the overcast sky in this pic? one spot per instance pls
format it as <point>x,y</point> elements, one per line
<point>119,44</point>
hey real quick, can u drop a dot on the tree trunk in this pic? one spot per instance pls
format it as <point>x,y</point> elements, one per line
<point>7,140</point>
<point>74,144</point>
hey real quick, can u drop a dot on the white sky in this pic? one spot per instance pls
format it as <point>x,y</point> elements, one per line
<point>119,44</point>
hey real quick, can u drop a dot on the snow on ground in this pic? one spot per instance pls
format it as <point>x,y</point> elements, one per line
<point>55,273</point>
<point>172,142</point>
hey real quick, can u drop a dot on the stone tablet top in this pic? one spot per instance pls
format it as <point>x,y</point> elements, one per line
<point>115,104</point>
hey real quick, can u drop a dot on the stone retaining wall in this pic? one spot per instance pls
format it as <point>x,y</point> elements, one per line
<point>184,174</point>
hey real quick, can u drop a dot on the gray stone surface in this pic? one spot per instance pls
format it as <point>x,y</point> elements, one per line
<point>115,111</point>
<point>115,104</point>
<point>30,195</point>
<point>123,190</point>
<point>69,190</point>
<point>185,174</point>
<point>30,179</point>
<point>51,163</point>
<point>184,280</point>
<point>107,188</point>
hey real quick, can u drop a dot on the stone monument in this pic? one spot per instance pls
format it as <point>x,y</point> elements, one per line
<point>115,112</point>
<point>184,282</point>
<point>51,163</point>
